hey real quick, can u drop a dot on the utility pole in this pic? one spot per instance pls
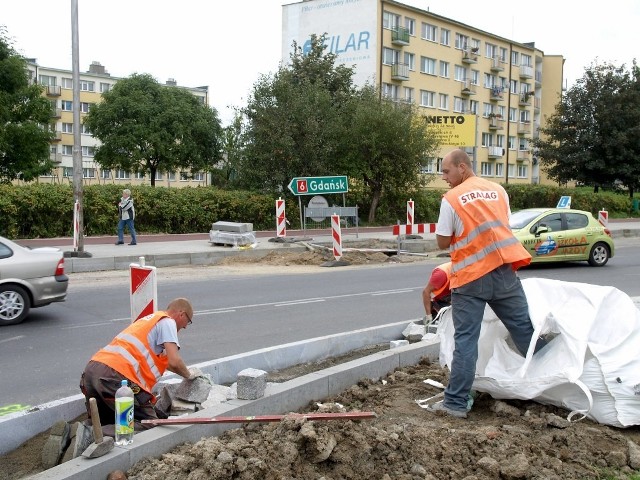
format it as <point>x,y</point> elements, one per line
<point>77,145</point>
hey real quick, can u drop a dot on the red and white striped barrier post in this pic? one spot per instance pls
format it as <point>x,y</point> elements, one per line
<point>416,228</point>
<point>144,290</point>
<point>336,233</point>
<point>76,225</point>
<point>410,212</point>
<point>603,218</point>
<point>281,219</point>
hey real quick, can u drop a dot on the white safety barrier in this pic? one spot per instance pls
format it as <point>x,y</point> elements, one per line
<point>336,233</point>
<point>416,228</point>
<point>144,290</point>
<point>281,219</point>
<point>603,218</point>
<point>410,212</point>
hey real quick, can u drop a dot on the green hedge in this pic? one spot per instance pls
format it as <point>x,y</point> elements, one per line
<point>46,210</point>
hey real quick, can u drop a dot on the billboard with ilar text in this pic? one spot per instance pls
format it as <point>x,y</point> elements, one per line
<point>453,130</point>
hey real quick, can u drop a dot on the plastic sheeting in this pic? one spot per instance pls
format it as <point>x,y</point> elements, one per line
<point>590,366</point>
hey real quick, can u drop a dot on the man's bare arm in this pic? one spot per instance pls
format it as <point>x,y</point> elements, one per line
<point>176,364</point>
<point>443,242</point>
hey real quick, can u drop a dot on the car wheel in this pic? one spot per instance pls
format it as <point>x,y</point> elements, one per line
<point>14,304</point>
<point>599,255</point>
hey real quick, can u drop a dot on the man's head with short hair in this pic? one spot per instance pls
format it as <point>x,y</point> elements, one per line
<point>456,167</point>
<point>181,311</point>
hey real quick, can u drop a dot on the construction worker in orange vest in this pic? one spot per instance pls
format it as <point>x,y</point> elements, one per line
<point>474,225</point>
<point>437,294</point>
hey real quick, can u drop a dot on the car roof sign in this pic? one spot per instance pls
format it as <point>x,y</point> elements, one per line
<point>564,202</point>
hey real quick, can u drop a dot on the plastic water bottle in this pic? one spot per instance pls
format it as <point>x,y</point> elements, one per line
<point>124,415</point>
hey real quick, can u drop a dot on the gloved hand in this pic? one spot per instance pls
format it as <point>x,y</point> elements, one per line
<point>427,319</point>
<point>195,372</point>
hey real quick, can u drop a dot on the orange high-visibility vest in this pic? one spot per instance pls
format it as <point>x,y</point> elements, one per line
<point>444,289</point>
<point>131,355</point>
<point>487,241</point>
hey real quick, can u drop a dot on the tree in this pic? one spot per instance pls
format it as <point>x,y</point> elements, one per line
<point>25,115</point>
<point>146,127</point>
<point>594,134</point>
<point>386,146</point>
<point>232,151</point>
<point>293,119</point>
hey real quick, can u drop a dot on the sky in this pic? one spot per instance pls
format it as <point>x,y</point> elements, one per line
<point>229,44</point>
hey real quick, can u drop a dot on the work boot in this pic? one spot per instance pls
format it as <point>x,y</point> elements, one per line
<point>84,438</point>
<point>440,407</point>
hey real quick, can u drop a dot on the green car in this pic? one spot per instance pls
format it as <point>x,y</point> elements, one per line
<point>562,235</point>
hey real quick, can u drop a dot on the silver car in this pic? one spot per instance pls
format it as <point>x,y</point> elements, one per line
<point>29,278</point>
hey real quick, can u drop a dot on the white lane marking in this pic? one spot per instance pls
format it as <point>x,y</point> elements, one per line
<point>299,302</point>
<point>391,292</point>
<point>12,338</point>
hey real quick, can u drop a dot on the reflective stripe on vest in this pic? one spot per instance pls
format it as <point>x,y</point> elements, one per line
<point>471,259</point>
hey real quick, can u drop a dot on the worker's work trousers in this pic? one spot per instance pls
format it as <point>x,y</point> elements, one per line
<point>502,290</point>
<point>101,382</point>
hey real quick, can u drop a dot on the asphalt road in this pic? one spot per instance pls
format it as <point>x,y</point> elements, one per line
<point>42,358</point>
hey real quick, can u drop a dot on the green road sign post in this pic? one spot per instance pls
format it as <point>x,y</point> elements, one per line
<point>319,185</point>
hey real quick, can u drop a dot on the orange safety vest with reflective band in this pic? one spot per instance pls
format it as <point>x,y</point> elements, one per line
<point>131,355</point>
<point>446,268</point>
<point>487,241</point>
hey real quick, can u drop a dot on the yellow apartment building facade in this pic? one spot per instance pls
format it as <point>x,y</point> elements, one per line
<point>58,88</point>
<point>445,68</point>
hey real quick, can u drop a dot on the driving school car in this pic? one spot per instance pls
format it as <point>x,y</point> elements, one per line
<point>562,235</point>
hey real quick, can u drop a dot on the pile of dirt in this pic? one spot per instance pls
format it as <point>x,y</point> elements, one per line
<point>500,439</point>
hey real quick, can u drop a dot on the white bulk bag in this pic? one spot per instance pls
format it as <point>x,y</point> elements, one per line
<point>590,366</point>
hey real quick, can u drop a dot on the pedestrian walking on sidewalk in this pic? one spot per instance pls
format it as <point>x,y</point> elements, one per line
<point>474,225</point>
<point>141,353</point>
<point>126,217</point>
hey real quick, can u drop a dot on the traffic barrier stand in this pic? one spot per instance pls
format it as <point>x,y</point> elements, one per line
<point>603,218</point>
<point>144,290</point>
<point>336,234</point>
<point>414,229</point>
<point>281,219</point>
<point>410,212</point>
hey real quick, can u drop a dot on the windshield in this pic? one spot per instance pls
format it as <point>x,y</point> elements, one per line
<point>522,218</point>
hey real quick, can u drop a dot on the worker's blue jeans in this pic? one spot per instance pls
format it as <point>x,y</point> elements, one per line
<point>502,290</point>
<point>129,225</point>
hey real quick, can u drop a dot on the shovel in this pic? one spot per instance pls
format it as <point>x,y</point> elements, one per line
<point>101,445</point>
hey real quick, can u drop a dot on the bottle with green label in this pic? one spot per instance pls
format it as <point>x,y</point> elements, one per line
<point>124,415</point>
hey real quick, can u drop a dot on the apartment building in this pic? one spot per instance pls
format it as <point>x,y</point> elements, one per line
<point>444,67</point>
<point>93,83</point>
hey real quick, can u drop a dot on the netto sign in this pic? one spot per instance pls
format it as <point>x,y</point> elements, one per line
<point>453,130</point>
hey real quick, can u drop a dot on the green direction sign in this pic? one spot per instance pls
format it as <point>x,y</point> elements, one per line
<point>319,185</point>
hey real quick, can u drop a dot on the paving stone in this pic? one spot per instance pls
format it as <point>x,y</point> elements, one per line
<point>196,390</point>
<point>56,444</point>
<point>398,343</point>
<point>251,384</point>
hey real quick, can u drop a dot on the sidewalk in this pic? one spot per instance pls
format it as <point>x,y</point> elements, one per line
<point>195,248</point>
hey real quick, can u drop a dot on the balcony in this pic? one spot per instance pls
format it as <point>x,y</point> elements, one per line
<point>524,128</point>
<point>470,55</point>
<point>495,122</point>
<point>57,112</point>
<point>468,88</point>
<point>523,156</point>
<point>57,135</point>
<point>55,157</point>
<point>526,71</point>
<point>400,36</point>
<point>497,64</point>
<point>536,104</point>
<point>538,78</point>
<point>496,94</point>
<point>53,90</point>
<point>525,99</point>
<point>400,71</point>
<point>494,152</point>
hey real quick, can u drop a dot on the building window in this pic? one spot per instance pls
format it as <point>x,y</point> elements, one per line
<point>513,115</point>
<point>122,175</point>
<point>459,105</point>
<point>500,140</point>
<point>408,95</point>
<point>524,145</point>
<point>67,127</point>
<point>490,50</point>
<point>522,171</point>
<point>427,99</point>
<point>390,20</point>
<point>104,87</point>
<point>445,37</point>
<point>499,169</point>
<point>47,80</point>
<point>489,80</point>
<point>84,130</point>
<point>429,32</point>
<point>88,173</point>
<point>67,83</point>
<point>198,176</point>
<point>510,170</point>
<point>459,73</point>
<point>87,86</point>
<point>462,41</point>
<point>428,65</point>
<point>444,69</point>
<point>525,60</point>
<point>171,176</point>
<point>524,116</point>
<point>444,102</point>
<point>410,59</point>
<point>389,56</point>
<point>486,169</point>
<point>85,107</point>
<point>473,106</point>
<point>105,174</point>
<point>487,139</point>
<point>410,25</point>
<point>88,151</point>
<point>524,88</point>
<point>475,77</point>
<point>390,91</point>
<point>139,176</point>
<point>475,43</point>
<point>67,105</point>
<point>513,86</point>
<point>487,108</point>
<point>514,60</point>
<point>512,142</point>
<point>67,149</point>
<point>67,172</point>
